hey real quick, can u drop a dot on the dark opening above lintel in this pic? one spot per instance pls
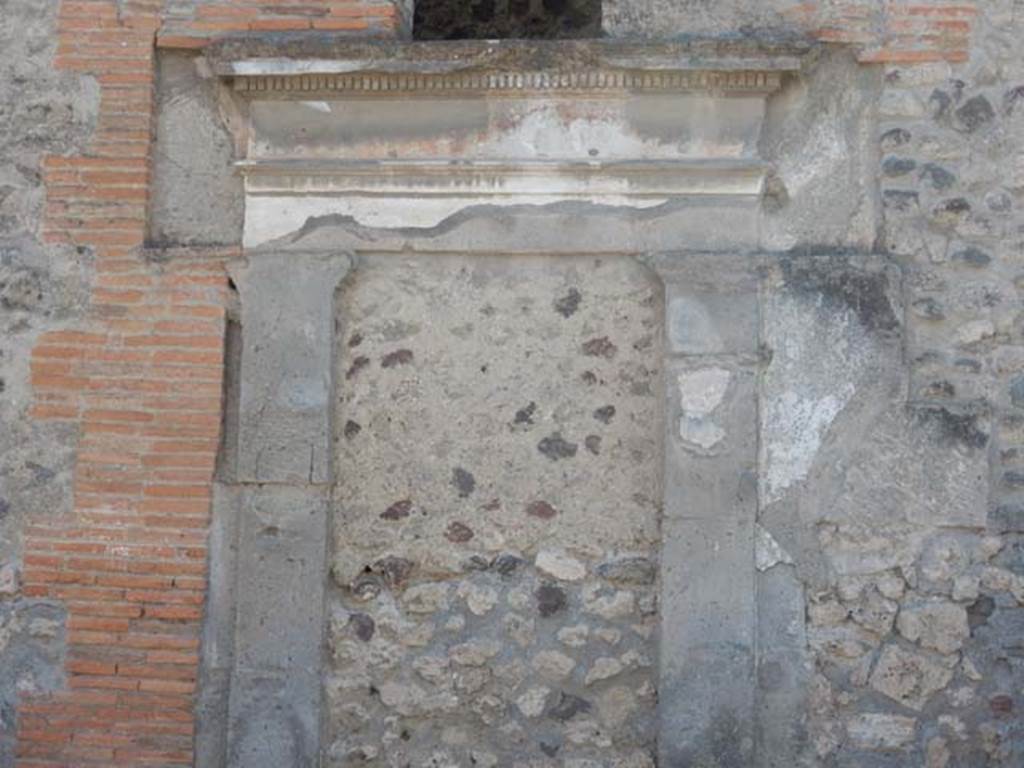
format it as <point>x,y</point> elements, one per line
<point>504,19</point>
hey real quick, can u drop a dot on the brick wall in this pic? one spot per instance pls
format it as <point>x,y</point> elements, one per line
<point>141,380</point>
<point>196,24</point>
<point>893,31</point>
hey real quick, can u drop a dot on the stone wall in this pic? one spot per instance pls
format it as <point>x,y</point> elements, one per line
<point>496,512</point>
<point>493,588</point>
<point>916,641</point>
<point>41,288</point>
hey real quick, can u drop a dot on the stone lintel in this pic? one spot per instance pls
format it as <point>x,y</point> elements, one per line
<point>300,55</point>
<point>441,128</point>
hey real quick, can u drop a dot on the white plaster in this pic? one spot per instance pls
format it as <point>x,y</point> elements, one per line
<point>807,419</point>
<point>700,431</point>
<point>827,148</point>
<point>767,551</point>
<point>268,218</point>
<point>319,106</point>
<point>700,393</point>
<point>284,66</point>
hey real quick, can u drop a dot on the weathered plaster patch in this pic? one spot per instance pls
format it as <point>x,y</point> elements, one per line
<point>700,394</point>
<point>268,218</point>
<point>807,420</point>
<point>828,354</point>
<point>767,551</point>
<point>319,106</point>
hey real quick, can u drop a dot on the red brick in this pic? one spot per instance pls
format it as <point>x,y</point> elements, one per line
<point>269,25</point>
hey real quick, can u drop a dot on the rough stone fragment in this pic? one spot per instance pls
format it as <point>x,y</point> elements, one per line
<point>411,700</point>
<point>8,580</point>
<point>974,113</point>
<point>506,564</point>
<point>521,629</point>
<point>366,586</point>
<point>357,365</point>
<point>894,137</point>
<point>556,447</point>
<point>767,551</point>
<point>479,599</point>
<point>937,176</point>
<point>458,533</point>
<point>1017,392</point>
<point>629,569</point>
<point>397,511</point>
<point>943,558</point>
<point>463,481</point>
<point>533,701</point>
<point>574,636</point>
<point>700,394</point>
<point>396,358</point>
<point>541,509</point>
<point>432,668</point>
<point>394,570</point>
<point>616,706</point>
<point>363,626</point>
<point>425,598</point>
<point>567,305</point>
<point>525,414</point>
<point>617,605</point>
<point>553,665</point>
<point>559,565</point>
<point>602,669</point>
<point>874,612</point>
<point>600,347</point>
<point>587,732</point>
<point>474,654</point>
<point>936,753</point>
<point>881,731</point>
<point>936,624</point>
<point>909,678</point>
<point>568,706</point>
<point>898,166</point>
<point>974,257</point>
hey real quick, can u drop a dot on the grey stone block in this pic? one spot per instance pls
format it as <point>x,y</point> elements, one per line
<point>287,332</point>
<point>282,569</point>
<point>274,720</point>
<point>275,699</point>
<point>708,630</point>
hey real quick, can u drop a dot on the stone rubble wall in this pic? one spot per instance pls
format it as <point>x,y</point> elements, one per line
<point>915,635</point>
<point>496,512</point>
